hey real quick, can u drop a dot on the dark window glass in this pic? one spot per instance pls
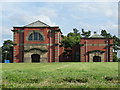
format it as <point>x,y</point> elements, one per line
<point>35,36</point>
<point>40,37</point>
<point>31,37</point>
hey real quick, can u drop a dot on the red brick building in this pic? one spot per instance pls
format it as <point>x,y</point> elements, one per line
<point>39,42</point>
<point>96,49</point>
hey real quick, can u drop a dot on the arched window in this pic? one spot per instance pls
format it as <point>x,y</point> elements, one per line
<point>35,36</point>
<point>31,37</point>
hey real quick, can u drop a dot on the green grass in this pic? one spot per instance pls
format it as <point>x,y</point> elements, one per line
<point>60,75</point>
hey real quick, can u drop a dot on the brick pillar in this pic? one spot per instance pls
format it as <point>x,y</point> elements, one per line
<point>18,49</point>
<point>111,54</point>
<point>21,45</point>
<point>57,47</point>
<point>82,54</point>
<point>15,48</point>
<point>50,47</point>
<point>107,51</point>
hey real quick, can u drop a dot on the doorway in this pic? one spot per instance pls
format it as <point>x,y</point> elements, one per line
<point>35,57</point>
<point>96,59</point>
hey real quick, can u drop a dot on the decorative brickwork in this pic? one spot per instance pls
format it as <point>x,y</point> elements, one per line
<point>39,42</point>
<point>35,39</point>
<point>100,47</point>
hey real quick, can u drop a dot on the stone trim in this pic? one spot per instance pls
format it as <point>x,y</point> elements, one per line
<point>36,44</point>
<point>91,55</point>
<point>43,56</point>
<point>95,44</point>
<point>18,31</point>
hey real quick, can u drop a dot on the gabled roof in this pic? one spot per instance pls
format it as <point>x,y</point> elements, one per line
<point>37,24</point>
<point>96,35</point>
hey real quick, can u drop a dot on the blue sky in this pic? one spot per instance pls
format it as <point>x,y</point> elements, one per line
<point>92,16</point>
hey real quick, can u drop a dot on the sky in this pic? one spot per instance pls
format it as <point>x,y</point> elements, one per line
<point>93,16</point>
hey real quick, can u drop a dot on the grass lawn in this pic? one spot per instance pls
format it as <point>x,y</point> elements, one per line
<point>60,75</point>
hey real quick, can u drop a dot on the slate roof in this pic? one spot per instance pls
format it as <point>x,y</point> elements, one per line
<point>96,36</point>
<point>37,24</point>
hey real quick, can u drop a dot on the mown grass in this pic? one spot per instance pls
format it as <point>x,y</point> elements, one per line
<point>60,75</point>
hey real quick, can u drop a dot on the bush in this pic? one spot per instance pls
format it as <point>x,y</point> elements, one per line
<point>80,80</point>
<point>115,58</point>
<point>111,78</point>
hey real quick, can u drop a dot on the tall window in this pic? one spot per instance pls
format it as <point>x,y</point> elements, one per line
<point>35,36</point>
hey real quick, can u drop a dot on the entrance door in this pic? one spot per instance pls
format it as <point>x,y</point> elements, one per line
<point>96,59</point>
<point>35,57</point>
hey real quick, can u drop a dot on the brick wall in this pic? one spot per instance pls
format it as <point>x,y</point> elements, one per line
<point>51,41</point>
<point>91,44</point>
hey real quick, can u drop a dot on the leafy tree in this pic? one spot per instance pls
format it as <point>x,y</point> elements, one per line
<point>72,38</point>
<point>116,43</point>
<point>115,58</point>
<point>105,34</point>
<point>116,40</point>
<point>86,34</point>
<point>7,50</point>
<point>0,54</point>
<point>75,31</point>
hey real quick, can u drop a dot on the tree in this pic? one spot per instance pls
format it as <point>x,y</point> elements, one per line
<point>72,39</point>
<point>0,54</point>
<point>116,43</point>
<point>7,50</point>
<point>105,34</point>
<point>116,40</point>
<point>116,47</point>
<point>75,31</point>
<point>115,58</point>
<point>86,34</point>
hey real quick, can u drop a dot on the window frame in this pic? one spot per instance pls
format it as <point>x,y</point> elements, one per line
<point>33,37</point>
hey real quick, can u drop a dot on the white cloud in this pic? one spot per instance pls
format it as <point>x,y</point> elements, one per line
<point>15,14</point>
<point>46,19</point>
<point>6,31</point>
<point>21,15</point>
<point>106,9</point>
<point>112,28</point>
<point>109,13</point>
<point>46,12</point>
<point>24,19</point>
<point>4,35</point>
<point>59,0</point>
<point>97,16</point>
<point>18,15</point>
<point>109,27</point>
<point>43,18</point>
<point>75,16</point>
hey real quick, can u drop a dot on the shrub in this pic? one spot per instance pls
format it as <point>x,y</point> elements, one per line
<point>80,80</point>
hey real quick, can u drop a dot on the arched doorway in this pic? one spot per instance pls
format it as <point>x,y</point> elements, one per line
<point>35,57</point>
<point>96,59</point>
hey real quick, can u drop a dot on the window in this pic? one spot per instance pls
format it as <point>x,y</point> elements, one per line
<point>35,36</point>
<point>77,55</point>
<point>30,37</point>
<point>40,37</point>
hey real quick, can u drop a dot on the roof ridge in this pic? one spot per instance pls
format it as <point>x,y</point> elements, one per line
<point>42,24</point>
<point>97,36</point>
